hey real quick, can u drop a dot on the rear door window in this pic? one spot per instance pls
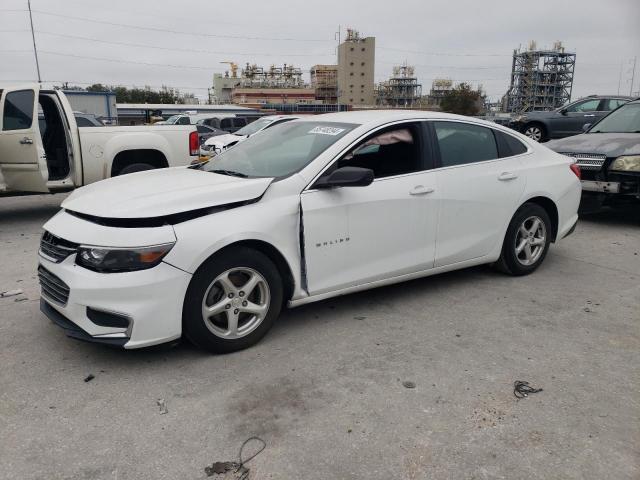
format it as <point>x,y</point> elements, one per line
<point>18,110</point>
<point>613,103</point>
<point>225,123</point>
<point>463,143</point>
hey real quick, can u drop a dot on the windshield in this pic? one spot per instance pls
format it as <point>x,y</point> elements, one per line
<point>254,127</point>
<point>172,119</point>
<point>625,119</point>
<point>279,151</point>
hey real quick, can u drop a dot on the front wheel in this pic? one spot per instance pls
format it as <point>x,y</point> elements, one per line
<point>527,240</point>
<point>232,300</point>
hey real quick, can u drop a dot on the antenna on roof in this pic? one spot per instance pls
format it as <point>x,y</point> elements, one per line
<point>33,36</point>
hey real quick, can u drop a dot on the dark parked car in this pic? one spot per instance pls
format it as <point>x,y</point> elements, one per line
<point>608,154</point>
<point>228,124</point>
<point>567,120</point>
<point>205,132</point>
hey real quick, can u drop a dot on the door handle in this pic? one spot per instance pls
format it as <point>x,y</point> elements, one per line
<point>26,141</point>
<point>421,190</point>
<point>504,176</point>
<point>590,115</point>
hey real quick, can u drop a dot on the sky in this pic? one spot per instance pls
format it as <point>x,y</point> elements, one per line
<point>182,43</point>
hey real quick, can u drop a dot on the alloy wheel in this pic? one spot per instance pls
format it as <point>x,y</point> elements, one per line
<point>531,240</point>
<point>236,303</point>
<point>534,133</point>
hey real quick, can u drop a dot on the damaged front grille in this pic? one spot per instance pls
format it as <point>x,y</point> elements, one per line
<point>55,248</point>
<point>588,161</point>
<point>53,288</point>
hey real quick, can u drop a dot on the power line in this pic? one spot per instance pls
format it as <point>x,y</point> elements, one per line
<point>190,50</point>
<point>110,84</point>
<point>118,60</point>
<point>445,54</point>
<point>176,32</point>
<point>448,66</point>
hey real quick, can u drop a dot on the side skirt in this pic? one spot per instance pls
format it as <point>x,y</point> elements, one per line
<point>390,281</point>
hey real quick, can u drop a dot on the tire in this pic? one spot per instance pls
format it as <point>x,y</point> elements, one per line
<point>135,167</point>
<point>535,131</point>
<point>532,253</point>
<point>207,320</point>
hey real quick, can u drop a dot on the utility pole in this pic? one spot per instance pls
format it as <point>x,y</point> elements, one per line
<point>620,78</point>
<point>337,36</point>
<point>33,36</point>
<point>633,76</point>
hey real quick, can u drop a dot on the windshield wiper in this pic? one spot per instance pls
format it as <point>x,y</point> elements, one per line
<point>231,173</point>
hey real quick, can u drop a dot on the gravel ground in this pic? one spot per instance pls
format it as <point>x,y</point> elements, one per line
<point>325,388</point>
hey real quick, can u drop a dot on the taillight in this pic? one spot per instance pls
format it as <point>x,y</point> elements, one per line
<point>576,169</point>
<point>194,144</point>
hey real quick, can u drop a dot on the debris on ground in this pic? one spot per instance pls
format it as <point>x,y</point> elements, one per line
<point>10,293</point>
<point>89,377</point>
<point>360,318</point>
<point>408,384</point>
<point>21,299</point>
<point>240,471</point>
<point>522,389</point>
<point>163,406</point>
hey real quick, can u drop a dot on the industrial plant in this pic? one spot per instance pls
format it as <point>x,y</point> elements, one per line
<point>541,79</point>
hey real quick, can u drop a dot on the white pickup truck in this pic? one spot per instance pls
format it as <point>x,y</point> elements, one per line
<point>54,154</point>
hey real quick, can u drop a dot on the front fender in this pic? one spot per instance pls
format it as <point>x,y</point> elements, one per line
<point>276,223</point>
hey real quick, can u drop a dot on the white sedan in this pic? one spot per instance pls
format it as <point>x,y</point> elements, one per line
<point>312,209</point>
<point>217,144</point>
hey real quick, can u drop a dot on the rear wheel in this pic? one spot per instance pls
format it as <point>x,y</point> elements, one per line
<point>136,167</point>
<point>527,240</point>
<point>535,131</point>
<point>232,300</point>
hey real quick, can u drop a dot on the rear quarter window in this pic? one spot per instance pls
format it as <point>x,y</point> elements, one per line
<point>508,145</point>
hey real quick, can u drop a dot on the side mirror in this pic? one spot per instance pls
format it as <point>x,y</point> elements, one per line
<point>586,127</point>
<point>563,111</point>
<point>346,177</point>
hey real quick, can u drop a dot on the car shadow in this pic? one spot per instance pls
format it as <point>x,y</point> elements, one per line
<point>12,211</point>
<point>627,216</point>
<point>358,304</point>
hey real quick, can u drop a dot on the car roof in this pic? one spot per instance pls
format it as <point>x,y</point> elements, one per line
<point>364,117</point>
<point>278,117</point>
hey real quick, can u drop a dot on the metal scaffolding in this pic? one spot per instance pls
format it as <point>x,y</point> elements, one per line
<point>401,90</point>
<point>287,76</point>
<point>540,79</point>
<point>324,80</point>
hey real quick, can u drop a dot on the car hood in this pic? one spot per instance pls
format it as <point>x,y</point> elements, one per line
<point>162,192</point>
<point>609,144</point>
<point>224,140</point>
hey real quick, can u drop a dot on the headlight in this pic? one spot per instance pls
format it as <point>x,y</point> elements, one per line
<point>519,118</point>
<point>103,259</point>
<point>627,163</point>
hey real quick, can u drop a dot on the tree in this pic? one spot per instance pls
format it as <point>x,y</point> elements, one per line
<point>166,95</point>
<point>462,100</point>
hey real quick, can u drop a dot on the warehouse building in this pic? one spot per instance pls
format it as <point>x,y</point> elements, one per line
<point>100,104</point>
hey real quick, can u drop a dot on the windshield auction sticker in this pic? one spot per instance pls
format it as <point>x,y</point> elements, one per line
<point>327,130</point>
